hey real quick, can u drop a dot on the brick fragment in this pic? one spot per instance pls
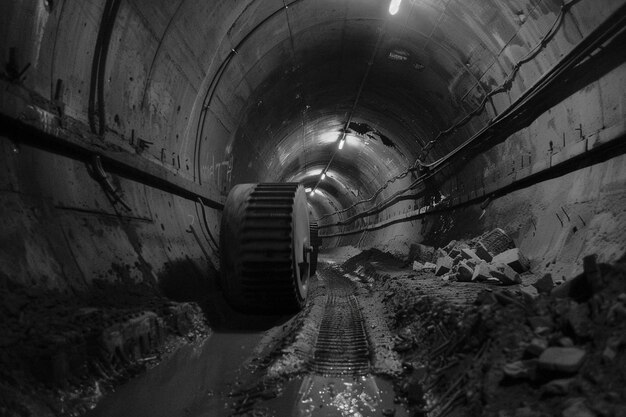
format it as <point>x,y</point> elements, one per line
<point>469,254</point>
<point>481,272</point>
<point>496,241</point>
<point>465,272</point>
<point>505,274</point>
<point>483,253</point>
<point>444,265</point>
<point>513,258</point>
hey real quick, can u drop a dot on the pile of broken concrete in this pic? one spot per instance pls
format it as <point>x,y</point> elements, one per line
<point>560,351</point>
<point>491,258</point>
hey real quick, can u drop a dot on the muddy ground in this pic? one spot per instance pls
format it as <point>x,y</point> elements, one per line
<point>478,349</point>
<point>467,348</point>
<point>60,353</point>
<point>435,347</point>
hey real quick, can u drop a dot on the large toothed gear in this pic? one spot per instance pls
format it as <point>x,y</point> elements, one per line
<point>265,247</point>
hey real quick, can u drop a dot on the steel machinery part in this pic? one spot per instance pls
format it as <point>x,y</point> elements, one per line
<point>265,247</point>
<point>316,242</point>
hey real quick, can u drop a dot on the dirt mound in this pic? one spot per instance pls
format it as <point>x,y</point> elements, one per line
<point>371,257</point>
<point>514,353</point>
<point>60,352</point>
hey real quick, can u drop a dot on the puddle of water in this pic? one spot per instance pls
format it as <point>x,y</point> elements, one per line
<point>194,381</point>
<point>319,396</point>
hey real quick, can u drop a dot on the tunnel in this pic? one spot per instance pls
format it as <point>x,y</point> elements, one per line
<point>431,138</point>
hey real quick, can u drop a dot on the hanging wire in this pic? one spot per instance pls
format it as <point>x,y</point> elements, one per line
<point>344,131</point>
<point>419,165</point>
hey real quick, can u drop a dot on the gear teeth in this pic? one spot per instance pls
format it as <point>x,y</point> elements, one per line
<point>315,244</point>
<point>265,253</point>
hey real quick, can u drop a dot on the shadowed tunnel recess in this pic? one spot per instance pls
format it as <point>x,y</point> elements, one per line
<point>124,125</point>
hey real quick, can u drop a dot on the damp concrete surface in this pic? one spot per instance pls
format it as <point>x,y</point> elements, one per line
<point>194,381</point>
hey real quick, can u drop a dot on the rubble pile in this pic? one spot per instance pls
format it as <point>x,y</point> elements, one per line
<point>365,262</point>
<point>554,351</point>
<point>491,258</point>
<point>59,352</point>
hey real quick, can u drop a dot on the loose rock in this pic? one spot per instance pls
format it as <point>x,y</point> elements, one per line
<point>465,272</point>
<point>513,258</point>
<point>537,346</point>
<point>505,274</point>
<point>578,409</point>
<point>417,266</point>
<point>558,386</point>
<point>544,284</point>
<point>444,265</point>
<point>469,254</point>
<point>429,266</point>
<point>483,253</point>
<point>519,369</point>
<point>481,272</point>
<point>562,359</point>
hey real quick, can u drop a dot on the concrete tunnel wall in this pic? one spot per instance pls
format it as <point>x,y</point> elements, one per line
<point>218,93</point>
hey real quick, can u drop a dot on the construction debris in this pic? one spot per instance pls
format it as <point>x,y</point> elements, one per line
<point>526,347</point>
<point>492,257</point>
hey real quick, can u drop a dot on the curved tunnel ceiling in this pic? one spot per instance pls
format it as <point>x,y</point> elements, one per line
<point>124,124</point>
<point>252,91</point>
<point>300,73</point>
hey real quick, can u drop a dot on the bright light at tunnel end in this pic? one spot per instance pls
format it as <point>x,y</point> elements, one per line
<point>394,6</point>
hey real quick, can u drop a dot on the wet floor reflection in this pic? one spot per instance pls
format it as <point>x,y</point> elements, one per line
<point>195,381</point>
<point>320,396</point>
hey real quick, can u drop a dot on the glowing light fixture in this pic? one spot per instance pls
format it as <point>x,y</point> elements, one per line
<point>341,143</point>
<point>394,6</point>
<point>308,190</point>
<point>323,176</point>
<point>312,193</point>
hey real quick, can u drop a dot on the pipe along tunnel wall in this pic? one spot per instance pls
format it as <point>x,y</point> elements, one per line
<point>63,226</point>
<point>124,124</point>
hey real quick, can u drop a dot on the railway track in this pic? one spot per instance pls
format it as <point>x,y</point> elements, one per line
<point>341,347</point>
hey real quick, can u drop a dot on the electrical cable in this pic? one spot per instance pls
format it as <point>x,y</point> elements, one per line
<point>418,165</point>
<point>206,224</point>
<point>344,132</point>
<point>526,106</point>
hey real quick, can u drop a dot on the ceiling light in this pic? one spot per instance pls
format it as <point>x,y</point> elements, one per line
<point>312,193</point>
<point>308,190</point>
<point>341,143</point>
<point>323,176</point>
<point>394,6</point>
